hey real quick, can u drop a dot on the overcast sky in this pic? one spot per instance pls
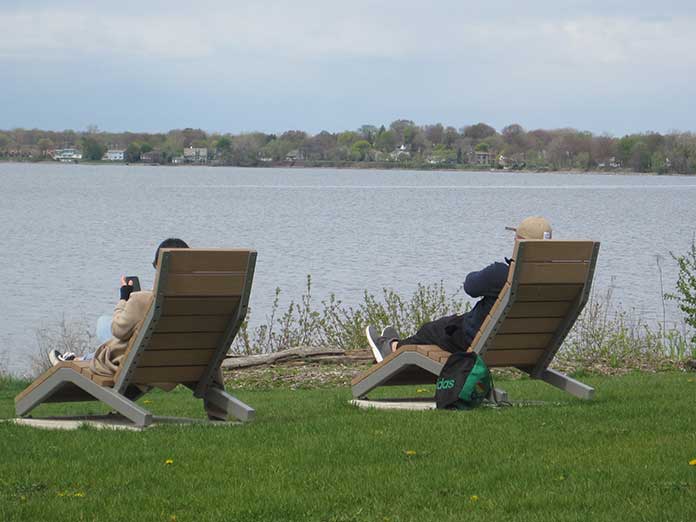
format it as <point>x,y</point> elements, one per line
<point>604,66</point>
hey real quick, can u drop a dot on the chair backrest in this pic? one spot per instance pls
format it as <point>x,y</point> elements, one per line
<point>200,301</point>
<point>548,285</point>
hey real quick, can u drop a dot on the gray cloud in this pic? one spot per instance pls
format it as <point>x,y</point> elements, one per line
<point>455,59</point>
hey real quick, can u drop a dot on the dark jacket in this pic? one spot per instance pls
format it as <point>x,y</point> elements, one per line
<point>487,284</point>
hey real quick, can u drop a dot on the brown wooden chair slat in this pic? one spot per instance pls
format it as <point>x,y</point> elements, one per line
<point>502,358</point>
<point>548,292</point>
<point>552,273</point>
<point>203,285</point>
<point>175,358</point>
<point>195,260</point>
<point>177,306</point>
<point>193,323</point>
<point>183,341</point>
<point>539,309</point>
<point>516,341</point>
<point>148,375</point>
<point>558,251</point>
<point>530,325</point>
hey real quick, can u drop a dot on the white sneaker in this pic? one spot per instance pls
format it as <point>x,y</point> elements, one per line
<point>56,357</point>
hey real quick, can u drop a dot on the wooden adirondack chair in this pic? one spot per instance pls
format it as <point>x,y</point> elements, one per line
<point>200,300</point>
<point>548,285</point>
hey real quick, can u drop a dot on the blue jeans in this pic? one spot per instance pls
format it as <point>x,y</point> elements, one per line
<point>103,334</point>
<point>103,329</point>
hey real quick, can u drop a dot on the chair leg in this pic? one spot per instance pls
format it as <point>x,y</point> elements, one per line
<point>221,405</point>
<point>213,412</point>
<point>498,395</point>
<point>132,411</point>
<point>565,383</point>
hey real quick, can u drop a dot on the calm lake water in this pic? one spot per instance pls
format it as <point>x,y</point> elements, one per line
<point>70,231</point>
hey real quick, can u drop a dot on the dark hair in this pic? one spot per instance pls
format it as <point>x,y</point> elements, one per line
<point>172,242</point>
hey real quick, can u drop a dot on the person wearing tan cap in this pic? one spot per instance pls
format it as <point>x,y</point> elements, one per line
<point>455,333</point>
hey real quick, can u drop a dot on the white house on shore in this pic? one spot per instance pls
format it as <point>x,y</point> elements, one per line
<point>482,157</point>
<point>400,153</point>
<point>114,155</point>
<point>66,155</point>
<point>196,155</point>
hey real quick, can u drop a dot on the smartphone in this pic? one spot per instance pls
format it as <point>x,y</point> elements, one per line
<point>136,282</point>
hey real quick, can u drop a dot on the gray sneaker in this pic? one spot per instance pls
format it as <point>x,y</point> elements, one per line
<point>390,333</point>
<point>381,346</point>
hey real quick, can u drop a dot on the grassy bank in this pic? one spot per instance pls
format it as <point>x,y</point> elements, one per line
<point>311,456</point>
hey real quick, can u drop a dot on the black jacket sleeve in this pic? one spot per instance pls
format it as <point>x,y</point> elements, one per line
<point>126,291</point>
<point>487,282</point>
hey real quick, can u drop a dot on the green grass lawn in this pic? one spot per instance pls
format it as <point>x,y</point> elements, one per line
<point>310,456</point>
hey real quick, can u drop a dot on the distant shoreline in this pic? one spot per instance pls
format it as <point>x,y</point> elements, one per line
<point>362,166</point>
<point>401,145</point>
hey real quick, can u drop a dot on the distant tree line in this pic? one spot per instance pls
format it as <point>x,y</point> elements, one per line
<point>402,143</point>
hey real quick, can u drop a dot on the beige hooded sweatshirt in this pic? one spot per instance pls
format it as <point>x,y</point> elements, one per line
<point>127,316</point>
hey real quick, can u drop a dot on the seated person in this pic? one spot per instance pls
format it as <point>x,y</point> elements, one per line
<point>129,311</point>
<point>455,333</point>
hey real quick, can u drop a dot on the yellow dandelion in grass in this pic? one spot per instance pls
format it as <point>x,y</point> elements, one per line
<point>410,453</point>
<point>692,462</point>
<point>69,494</point>
<point>147,401</point>
<point>474,498</point>
<point>172,518</point>
<point>169,461</point>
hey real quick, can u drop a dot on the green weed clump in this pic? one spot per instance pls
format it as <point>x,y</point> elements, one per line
<point>604,335</point>
<point>4,373</point>
<point>685,294</point>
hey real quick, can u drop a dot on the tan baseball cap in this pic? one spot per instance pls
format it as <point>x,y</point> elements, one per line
<point>533,227</point>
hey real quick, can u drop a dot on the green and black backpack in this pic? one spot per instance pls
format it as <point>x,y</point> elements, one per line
<point>463,382</point>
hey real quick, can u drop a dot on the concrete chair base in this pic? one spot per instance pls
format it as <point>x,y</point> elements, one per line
<point>110,421</point>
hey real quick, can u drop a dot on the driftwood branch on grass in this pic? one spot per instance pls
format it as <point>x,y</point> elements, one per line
<point>299,355</point>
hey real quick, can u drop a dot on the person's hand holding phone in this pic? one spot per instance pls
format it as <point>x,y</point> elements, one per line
<point>126,288</point>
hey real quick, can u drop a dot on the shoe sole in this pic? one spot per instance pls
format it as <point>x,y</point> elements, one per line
<point>53,359</point>
<point>375,351</point>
